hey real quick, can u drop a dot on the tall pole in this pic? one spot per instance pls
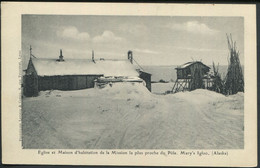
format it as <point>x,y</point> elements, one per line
<point>30,51</point>
<point>93,56</point>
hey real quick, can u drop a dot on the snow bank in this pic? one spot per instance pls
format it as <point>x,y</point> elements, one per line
<point>70,93</point>
<point>161,88</point>
<point>128,116</point>
<point>199,96</point>
<point>126,90</point>
<point>114,90</point>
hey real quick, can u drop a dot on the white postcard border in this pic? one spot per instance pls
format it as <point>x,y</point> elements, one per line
<point>12,153</point>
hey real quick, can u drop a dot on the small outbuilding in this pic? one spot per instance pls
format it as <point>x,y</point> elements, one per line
<point>190,76</point>
<point>188,70</point>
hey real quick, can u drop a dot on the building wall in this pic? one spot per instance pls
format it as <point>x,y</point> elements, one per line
<point>147,78</point>
<point>185,72</point>
<point>90,80</point>
<point>68,82</point>
<point>30,83</point>
<point>198,67</point>
<point>30,87</point>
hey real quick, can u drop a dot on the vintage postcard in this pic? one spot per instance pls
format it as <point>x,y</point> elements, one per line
<point>129,84</point>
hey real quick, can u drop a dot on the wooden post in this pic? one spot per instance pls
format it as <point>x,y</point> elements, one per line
<point>30,51</point>
<point>174,84</point>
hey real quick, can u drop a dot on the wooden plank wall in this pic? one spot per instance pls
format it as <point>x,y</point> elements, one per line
<point>72,82</point>
<point>31,85</point>
<point>147,78</point>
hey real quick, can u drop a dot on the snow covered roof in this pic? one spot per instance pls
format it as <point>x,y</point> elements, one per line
<point>51,67</point>
<point>189,64</point>
<point>142,71</point>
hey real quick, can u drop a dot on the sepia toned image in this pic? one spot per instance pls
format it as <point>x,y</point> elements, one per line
<point>132,82</point>
<point>129,84</point>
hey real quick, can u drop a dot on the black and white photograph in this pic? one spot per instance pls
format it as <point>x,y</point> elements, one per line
<point>129,84</point>
<point>132,82</point>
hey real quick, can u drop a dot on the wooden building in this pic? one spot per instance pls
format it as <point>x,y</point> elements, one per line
<point>191,75</point>
<point>74,74</point>
<point>188,70</point>
<point>147,78</point>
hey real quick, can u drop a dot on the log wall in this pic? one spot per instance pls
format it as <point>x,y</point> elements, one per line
<point>69,82</point>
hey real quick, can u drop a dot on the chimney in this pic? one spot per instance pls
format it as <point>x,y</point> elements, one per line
<point>60,57</point>
<point>93,59</point>
<point>130,56</point>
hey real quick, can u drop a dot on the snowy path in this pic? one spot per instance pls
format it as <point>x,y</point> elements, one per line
<point>133,118</point>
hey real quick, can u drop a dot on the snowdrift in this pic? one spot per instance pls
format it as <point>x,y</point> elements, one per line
<point>128,116</point>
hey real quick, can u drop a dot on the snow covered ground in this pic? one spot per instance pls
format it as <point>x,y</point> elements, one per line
<point>128,116</point>
<point>161,88</point>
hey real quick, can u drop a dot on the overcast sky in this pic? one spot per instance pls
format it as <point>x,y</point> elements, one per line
<point>154,40</point>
